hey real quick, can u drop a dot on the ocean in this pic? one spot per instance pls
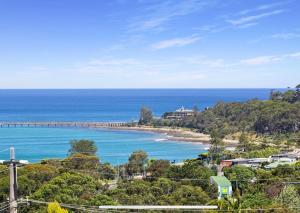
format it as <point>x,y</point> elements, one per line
<point>110,104</point>
<point>34,144</point>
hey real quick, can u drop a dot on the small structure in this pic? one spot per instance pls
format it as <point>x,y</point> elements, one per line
<point>278,163</point>
<point>281,159</point>
<point>223,184</point>
<point>286,157</point>
<point>178,114</point>
<point>251,162</point>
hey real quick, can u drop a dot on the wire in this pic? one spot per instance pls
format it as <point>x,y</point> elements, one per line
<point>128,177</point>
<point>70,206</point>
<point>124,208</point>
<point>195,179</point>
<point>4,202</point>
<point>4,207</point>
<point>96,208</point>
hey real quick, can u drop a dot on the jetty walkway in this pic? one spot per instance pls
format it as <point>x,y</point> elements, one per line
<point>62,124</point>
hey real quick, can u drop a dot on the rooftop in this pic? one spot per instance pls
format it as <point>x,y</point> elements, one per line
<point>182,109</point>
<point>221,181</point>
<point>276,164</point>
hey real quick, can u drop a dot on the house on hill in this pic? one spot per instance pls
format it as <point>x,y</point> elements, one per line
<point>178,114</point>
<point>223,184</point>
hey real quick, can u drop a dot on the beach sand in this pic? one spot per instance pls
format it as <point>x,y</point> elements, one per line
<point>179,134</point>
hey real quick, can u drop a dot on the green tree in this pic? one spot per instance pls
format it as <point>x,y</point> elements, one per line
<point>136,192</point>
<point>31,177</point>
<point>80,161</point>
<point>165,186</point>
<point>107,171</point>
<point>83,146</point>
<point>146,116</point>
<point>158,168</point>
<point>188,195</point>
<point>72,188</point>
<point>217,145</point>
<point>244,142</point>
<point>254,201</point>
<point>229,204</point>
<point>102,200</point>
<point>241,176</point>
<point>289,197</point>
<point>197,173</point>
<point>137,162</point>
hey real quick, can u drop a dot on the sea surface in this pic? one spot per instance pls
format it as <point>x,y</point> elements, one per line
<point>111,104</point>
<point>34,144</point>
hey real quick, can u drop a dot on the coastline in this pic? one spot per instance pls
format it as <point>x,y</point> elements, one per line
<point>178,134</point>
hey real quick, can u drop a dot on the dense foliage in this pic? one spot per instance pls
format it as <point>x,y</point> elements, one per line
<point>146,116</point>
<point>276,117</point>
<point>82,180</point>
<point>86,147</point>
<point>68,182</point>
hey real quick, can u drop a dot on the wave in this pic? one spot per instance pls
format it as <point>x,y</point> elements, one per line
<point>160,139</point>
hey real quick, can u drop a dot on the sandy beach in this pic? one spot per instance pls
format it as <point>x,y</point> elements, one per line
<point>179,134</point>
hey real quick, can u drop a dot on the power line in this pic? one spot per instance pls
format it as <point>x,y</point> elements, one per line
<point>136,207</point>
<point>2,208</point>
<point>3,203</point>
<point>192,179</point>
<point>130,177</point>
<point>149,207</point>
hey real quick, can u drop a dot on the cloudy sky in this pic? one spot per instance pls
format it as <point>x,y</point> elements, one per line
<point>149,43</point>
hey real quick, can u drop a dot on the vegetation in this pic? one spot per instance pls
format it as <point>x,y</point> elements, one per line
<point>277,119</point>
<point>289,197</point>
<point>146,116</point>
<point>54,207</point>
<point>262,117</point>
<point>137,162</point>
<point>68,181</point>
<point>86,147</point>
<point>82,180</point>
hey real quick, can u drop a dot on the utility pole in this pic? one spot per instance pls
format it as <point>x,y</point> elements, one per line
<point>12,163</point>
<point>13,205</point>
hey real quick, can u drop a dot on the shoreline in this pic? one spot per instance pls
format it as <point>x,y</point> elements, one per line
<point>178,134</point>
<point>170,133</point>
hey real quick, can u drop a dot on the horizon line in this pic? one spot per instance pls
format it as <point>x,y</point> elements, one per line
<point>156,88</point>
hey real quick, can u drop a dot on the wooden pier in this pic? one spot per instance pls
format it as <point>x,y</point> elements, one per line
<point>62,124</point>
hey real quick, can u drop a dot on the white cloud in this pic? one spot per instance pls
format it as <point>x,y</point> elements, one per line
<point>155,16</point>
<point>244,26</point>
<point>260,7</point>
<point>175,42</point>
<point>113,62</point>
<point>295,55</point>
<point>260,60</point>
<point>247,19</point>
<point>243,19</point>
<point>204,61</point>
<point>286,35</point>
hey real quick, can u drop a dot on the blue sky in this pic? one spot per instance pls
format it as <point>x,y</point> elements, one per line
<point>149,43</point>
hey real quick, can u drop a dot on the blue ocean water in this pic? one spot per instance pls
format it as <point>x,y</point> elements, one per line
<point>110,104</point>
<point>35,144</point>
